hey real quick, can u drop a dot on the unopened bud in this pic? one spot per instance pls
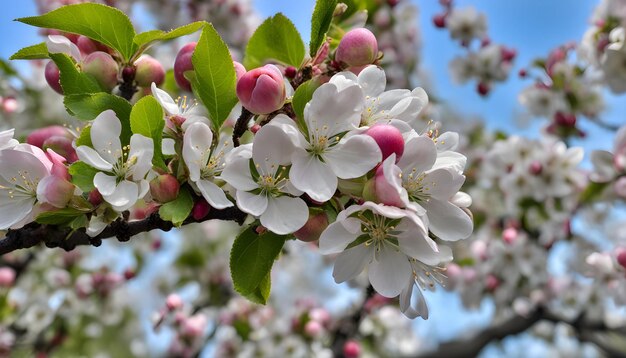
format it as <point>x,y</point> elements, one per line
<point>312,230</point>
<point>102,67</point>
<point>352,349</point>
<point>492,282</point>
<point>483,88</point>
<point>9,105</point>
<point>439,20</point>
<point>128,73</point>
<point>55,191</point>
<point>53,75</point>
<point>535,168</point>
<point>621,257</point>
<point>38,137</point>
<point>148,70</point>
<point>358,47</point>
<point>290,72</point>
<point>95,198</point>
<point>509,235</point>
<point>63,146</point>
<point>385,192</point>
<point>262,90</point>
<point>565,119</point>
<point>164,188</point>
<point>86,45</point>
<point>7,276</point>
<point>200,209</point>
<point>183,64</point>
<point>313,329</point>
<point>239,69</point>
<point>173,302</point>
<point>388,138</point>
<point>508,54</point>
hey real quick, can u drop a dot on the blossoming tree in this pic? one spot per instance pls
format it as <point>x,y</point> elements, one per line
<point>276,150</point>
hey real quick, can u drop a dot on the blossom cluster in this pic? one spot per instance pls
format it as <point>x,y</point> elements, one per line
<point>489,63</point>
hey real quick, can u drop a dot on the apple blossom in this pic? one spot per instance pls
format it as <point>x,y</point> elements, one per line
<point>6,139</point>
<point>262,90</point>
<point>266,192</point>
<point>205,162</point>
<point>320,155</point>
<point>358,47</point>
<point>466,24</point>
<point>121,170</point>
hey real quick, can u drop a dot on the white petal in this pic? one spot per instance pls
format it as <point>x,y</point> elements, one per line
<point>15,165</point>
<point>105,136</point>
<point>96,226</point>
<point>603,166</point>
<point>105,183</point>
<point>461,199</point>
<point>196,148</point>
<point>251,203</point>
<point>336,237</point>
<point>144,187</point>
<point>141,151</point>
<point>237,173</point>
<point>290,128</point>
<point>168,146</point>
<point>285,215</point>
<point>213,194</point>
<point>372,80</point>
<point>92,158</point>
<point>164,100</point>
<point>389,271</point>
<point>124,197</point>
<point>6,139</point>
<point>61,44</point>
<point>354,157</point>
<point>420,154</point>
<point>419,308</point>
<point>448,221</point>
<point>271,148</point>
<point>338,111</point>
<point>312,176</point>
<point>442,183</point>
<point>351,262</point>
<point>14,211</point>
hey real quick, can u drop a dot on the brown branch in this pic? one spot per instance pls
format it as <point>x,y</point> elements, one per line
<point>53,236</point>
<point>241,126</point>
<point>348,327</point>
<point>471,347</point>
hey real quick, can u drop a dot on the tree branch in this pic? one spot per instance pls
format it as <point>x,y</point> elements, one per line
<point>53,236</point>
<point>241,126</point>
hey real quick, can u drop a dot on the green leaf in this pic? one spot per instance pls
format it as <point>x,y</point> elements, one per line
<point>72,80</point>
<point>102,23</point>
<point>146,119</point>
<point>145,39</point>
<point>320,22</point>
<point>276,40</point>
<point>35,52</point>
<point>87,106</point>
<point>59,217</point>
<point>178,209</point>
<point>215,80</point>
<point>82,175</point>
<point>84,138</point>
<point>592,192</point>
<point>301,97</point>
<point>251,261</point>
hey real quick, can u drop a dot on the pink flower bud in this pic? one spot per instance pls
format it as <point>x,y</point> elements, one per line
<point>352,349</point>
<point>86,45</point>
<point>39,136</point>
<point>173,302</point>
<point>313,329</point>
<point>262,90</point>
<point>63,146</point>
<point>358,47</point>
<point>439,20</point>
<point>102,67</point>
<point>183,64</point>
<point>129,274</point>
<point>9,105</point>
<point>385,192</point>
<point>620,187</point>
<point>239,69</point>
<point>535,168</point>
<point>52,75</point>
<point>523,73</point>
<point>508,54</point>
<point>483,88</point>
<point>194,326</point>
<point>200,209</point>
<point>565,119</point>
<point>509,235</point>
<point>148,70</point>
<point>7,276</point>
<point>492,282</point>
<point>95,198</point>
<point>290,72</point>
<point>164,188</point>
<point>55,191</point>
<point>312,230</point>
<point>388,138</point>
<point>621,257</point>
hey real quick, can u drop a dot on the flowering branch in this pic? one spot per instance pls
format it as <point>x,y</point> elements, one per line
<point>34,234</point>
<point>241,125</point>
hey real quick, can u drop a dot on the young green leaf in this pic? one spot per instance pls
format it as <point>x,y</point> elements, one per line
<point>59,217</point>
<point>179,209</point>
<point>34,52</point>
<point>251,261</point>
<point>84,138</point>
<point>320,22</point>
<point>301,97</point>
<point>87,106</point>
<point>145,39</point>
<point>146,118</point>
<point>72,80</point>
<point>102,23</point>
<point>215,80</point>
<point>276,40</point>
<point>82,175</point>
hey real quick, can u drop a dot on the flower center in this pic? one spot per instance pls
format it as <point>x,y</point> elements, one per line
<point>272,183</point>
<point>379,229</point>
<point>415,186</point>
<point>24,185</point>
